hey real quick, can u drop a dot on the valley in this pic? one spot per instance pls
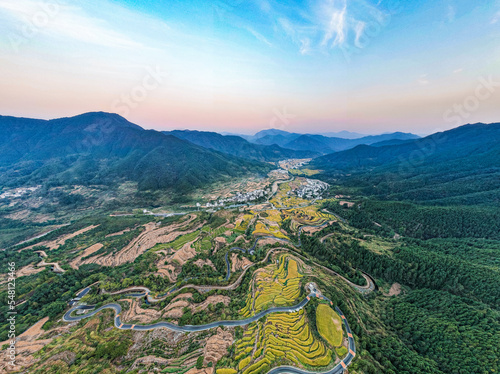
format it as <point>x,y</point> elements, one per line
<point>255,274</point>
<point>291,268</point>
<point>196,233</point>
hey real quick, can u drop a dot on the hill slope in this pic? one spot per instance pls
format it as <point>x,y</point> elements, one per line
<point>459,166</point>
<point>99,148</point>
<point>237,146</point>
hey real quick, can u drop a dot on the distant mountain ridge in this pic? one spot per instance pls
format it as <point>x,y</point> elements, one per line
<point>100,148</point>
<point>343,134</point>
<point>237,146</point>
<point>320,143</point>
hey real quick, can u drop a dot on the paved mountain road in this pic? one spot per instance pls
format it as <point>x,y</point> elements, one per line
<point>339,368</point>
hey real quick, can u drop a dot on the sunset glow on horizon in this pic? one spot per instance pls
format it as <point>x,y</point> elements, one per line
<point>243,66</point>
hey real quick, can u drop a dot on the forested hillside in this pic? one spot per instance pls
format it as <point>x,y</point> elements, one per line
<point>103,148</point>
<point>459,166</point>
<point>446,320</point>
<point>422,222</point>
<point>237,146</point>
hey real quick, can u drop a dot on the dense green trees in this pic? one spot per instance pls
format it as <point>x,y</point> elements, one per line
<point>423,222</point>
<point>313,246</point>
<point>417,267</point>
<point>457,167</point>
<point>449,321</point>
<point>65,152</point>
<point>460,335</point>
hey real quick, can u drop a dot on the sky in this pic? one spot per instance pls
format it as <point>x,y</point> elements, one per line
<point>241,66</point>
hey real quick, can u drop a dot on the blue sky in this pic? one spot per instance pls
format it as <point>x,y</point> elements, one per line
<point>245,65</point>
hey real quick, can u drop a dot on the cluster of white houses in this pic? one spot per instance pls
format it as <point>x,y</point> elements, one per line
<point>240,198</point>
<point>293,163</point>
<point>312,189</point>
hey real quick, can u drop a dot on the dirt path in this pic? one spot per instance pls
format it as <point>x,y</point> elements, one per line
<point>54,244</point>
<point>42,234</point>
<point>326,237</point>
<point>56,267</point>
<point>41,253</point>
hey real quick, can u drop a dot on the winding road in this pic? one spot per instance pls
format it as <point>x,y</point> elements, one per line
<point>370,283</point>
<point>339,368</point>
<point>143,291</point>
<point>369,287</point>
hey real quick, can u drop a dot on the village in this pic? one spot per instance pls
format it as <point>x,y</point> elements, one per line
<point>311,190</point>
<point>239,198</point>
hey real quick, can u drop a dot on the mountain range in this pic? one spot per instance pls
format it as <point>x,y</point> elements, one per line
<point>274,144</point>
<point>102,148</point>
<point>237,146</point>
<point>320,143</point>
<point>459,165</point>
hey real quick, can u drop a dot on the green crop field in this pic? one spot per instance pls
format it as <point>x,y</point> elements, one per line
<point>329,325</point>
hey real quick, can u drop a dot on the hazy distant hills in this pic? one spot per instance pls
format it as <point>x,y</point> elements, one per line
<point>274,144</point>
<point>237,146</point>
<point>461,165</point>
<point>343,134</point>
<point>101,148</point>
<point>321,143</point>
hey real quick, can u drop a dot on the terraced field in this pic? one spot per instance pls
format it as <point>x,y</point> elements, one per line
<point>226,371</point>
<point>284,200</point>
<point>329,325</point>
<point>284,337</point>
<point>277,285</point>
<point>261,229</point>
<point>309,215</point>
<point>179,242</point>
<point>303,172</point>
<point>274,216</point>
<point>206,242</point>
<point>243,224</point>
<point>273,329</point>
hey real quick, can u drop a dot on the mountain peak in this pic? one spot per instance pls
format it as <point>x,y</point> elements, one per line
<point>272,132</point>
<point>97,119</point>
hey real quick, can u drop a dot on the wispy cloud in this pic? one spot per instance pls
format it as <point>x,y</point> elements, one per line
<point>305,46</point>
<point>423,80</point>
<point>359,30</point>
<point>327,24</point>
<point>495,18</point>
<point>63,21</point>
<point>259,36</point>
<point>336,28</point>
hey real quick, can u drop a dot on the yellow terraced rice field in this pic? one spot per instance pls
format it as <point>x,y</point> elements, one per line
<point>286,336</point>
<point>283,336</point>
<point>277,285</point>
